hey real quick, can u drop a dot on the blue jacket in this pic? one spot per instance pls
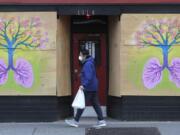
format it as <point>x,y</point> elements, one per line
<point>88,75</point>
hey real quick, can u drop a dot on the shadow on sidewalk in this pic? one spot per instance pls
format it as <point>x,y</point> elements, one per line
<point>123,131</point>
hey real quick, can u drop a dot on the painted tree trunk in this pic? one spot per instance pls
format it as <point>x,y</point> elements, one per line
<point>10,59</point>
<point>165,57</point>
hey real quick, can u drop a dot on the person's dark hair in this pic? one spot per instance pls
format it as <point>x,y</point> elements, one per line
<point>85,52</point>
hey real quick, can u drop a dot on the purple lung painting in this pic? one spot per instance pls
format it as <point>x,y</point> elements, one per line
<point>17,33</point>
<point>163,34</point>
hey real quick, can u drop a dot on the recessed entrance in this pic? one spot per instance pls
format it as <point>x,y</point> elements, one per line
<point>91,34</point>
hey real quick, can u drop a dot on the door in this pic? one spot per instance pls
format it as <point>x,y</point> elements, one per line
<point>96,44</point>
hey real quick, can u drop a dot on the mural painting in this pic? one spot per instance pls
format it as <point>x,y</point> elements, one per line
<point>14,34</point>
<point>149,54</point>
<point>162,34</point>
<point>23,39</point>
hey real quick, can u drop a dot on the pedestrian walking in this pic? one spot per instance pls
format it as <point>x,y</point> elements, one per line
<point>89,84</point>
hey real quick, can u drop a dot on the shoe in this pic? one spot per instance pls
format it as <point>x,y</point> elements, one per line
<point>72,123</point>
<point>101,123</point>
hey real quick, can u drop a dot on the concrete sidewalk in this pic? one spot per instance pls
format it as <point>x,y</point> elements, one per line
<point>60,128</point>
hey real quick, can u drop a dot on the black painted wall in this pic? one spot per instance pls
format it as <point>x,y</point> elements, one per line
<point>142,108</point>
<point>130,108</point>
<point>34,108</point>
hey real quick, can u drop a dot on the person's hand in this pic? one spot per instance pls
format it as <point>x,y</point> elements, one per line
<point>81,87</point>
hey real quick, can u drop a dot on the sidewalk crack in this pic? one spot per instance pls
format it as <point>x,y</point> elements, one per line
<point>34,130</point>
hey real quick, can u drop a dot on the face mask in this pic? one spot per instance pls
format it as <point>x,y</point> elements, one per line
<point>80,58</point>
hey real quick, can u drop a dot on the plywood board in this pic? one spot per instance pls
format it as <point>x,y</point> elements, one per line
<point>150,67</point>
<point>43,70</point>
<point>114,55</point>
<point>63,57</point>
<point>28,53</point>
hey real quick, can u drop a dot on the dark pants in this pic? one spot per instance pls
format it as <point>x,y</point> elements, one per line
<point>91,97</point>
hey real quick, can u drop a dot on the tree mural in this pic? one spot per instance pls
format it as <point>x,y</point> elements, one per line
<point>163,34</point>
<point>17,33</point>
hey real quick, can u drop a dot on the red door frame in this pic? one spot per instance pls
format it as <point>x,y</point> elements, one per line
<point>101,70</point>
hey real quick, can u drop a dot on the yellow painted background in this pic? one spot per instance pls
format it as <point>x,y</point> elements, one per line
<point>43,60</point>
<point>133,59</point>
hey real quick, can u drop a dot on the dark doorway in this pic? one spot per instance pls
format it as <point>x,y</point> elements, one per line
<point>90,33</point>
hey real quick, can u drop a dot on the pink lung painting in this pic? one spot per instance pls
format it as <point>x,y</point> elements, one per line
<point>18,33</point>
<point>23,73</point>
<point>3,72</point>
<point>163,34</point>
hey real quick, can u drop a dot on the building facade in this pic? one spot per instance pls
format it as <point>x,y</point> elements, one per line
<point>135,45</point>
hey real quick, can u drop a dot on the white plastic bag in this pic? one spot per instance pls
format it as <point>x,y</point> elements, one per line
<point>79,100</point>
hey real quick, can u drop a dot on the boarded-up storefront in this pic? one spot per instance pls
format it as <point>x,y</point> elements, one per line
<point>135,48</point>
<point>144,66</point>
